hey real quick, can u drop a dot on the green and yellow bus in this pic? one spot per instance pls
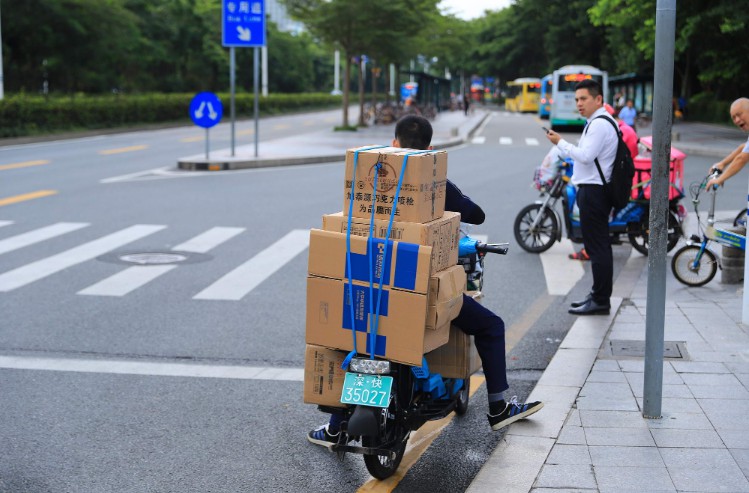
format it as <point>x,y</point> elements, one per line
<point>523,95</point>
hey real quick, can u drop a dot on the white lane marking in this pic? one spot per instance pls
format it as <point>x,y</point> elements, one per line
<point>505,141</point>
<point>137,276</point>
<point>37,235</point>
<point>478,140</point>
<point>561,272</point>
<point>123,367</point>
<point>134,176</point>
<point>237,283</point>
<point>5,223</point>
<point>531,141</point>
<point>126,280</point>
<point>47,266</point>
<point>208,240</point>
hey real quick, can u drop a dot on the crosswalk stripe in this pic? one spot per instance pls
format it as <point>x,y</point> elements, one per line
<point>5,223</point>
<point>127,280</point>
<point>208,240</point>
<point>505,141</point>
<point>560,272</point>
<point>240,281</point>
<point>41,234</point>
<point>34,271</point>
<point>479,139</point>
<point>531,141</point>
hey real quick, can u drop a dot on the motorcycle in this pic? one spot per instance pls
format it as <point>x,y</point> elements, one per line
<point>386,401</point>
<point>537,226</point>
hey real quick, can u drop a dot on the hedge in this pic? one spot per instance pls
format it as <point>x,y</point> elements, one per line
<point>704,107</point>
<point>32,115</point>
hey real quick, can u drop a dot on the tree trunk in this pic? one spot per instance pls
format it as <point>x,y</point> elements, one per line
<point>346,86</point>
<point>361,93</point>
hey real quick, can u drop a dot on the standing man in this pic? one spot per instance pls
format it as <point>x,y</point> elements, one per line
<point>738,158</point>
<point>628,114</point>
<point>598,143</point>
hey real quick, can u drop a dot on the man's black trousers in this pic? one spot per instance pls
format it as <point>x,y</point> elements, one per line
<point>595,208</point>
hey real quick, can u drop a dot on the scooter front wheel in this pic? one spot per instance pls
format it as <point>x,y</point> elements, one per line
<point>640,239</point>
<point>540,238</point>
<point>692,268</point>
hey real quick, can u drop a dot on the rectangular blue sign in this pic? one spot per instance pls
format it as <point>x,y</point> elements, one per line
<point>243,23</point>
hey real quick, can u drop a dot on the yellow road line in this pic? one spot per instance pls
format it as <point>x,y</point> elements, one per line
<point>417,445</point>
<point>123,149</point>
<point>26,196</point>
<point>250,131</point>
<point>196,138</point>
<point>281,126</point>
<point>24,164</point>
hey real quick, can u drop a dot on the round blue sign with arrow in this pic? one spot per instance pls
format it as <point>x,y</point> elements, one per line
<point>206,109</point>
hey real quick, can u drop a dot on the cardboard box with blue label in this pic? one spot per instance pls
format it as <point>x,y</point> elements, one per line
<point>442,234</point>
<point>397,264</point>
<point>375,183</point>
<point>334,316</point>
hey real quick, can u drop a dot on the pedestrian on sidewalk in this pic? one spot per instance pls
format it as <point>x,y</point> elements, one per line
<point>597,147</point>
<point>488,329</point>
<point>628,115</point>
<point>739,157</point>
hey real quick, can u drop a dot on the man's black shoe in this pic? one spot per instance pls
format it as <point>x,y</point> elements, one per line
<point>576,304</point>
<point>591,308</point>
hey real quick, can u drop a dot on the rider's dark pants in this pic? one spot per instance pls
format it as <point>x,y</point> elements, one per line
<point>595,207</point>
<point>489,335</point>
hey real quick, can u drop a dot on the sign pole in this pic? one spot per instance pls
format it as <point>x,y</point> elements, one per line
<point>232,78</point>
<point>255,77</point>
<point>207,144</point>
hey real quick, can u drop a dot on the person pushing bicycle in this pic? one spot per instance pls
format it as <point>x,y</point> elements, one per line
<point>735,161</point>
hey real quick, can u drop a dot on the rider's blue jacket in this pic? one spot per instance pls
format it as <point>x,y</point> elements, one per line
<point>455,201</point>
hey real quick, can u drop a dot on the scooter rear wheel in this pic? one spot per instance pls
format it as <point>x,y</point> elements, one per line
<point>686,272</point>
<point>542,237</point>
<point>640,240</point>
<point>382,467</point>
<point>463,395</point>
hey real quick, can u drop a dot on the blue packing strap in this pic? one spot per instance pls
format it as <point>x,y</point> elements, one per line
<point>372,339</point>
<point>373,331</point>
<point>347,360</point>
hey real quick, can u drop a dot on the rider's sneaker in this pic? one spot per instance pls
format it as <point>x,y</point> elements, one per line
<point>321,436</point>
<point>513,412</point>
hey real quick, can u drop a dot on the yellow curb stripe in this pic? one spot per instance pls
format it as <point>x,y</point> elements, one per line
<point>417,445</point>
<point>26,196</point>
<point>24,164</point>
<point>123,149</point>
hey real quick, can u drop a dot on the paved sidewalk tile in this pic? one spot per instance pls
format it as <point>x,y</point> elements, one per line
<point>607,455</point>
<point>634,437</point>
<point>676,438</point>
<point>566,476</point>
<point>632,479</point>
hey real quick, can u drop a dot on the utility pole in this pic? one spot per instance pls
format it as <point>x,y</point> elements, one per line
<point>2,87</point>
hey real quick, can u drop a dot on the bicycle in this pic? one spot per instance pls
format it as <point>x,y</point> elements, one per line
<point>695,264</point>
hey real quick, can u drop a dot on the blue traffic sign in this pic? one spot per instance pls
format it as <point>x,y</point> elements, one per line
<point>206,109</point>
<point>243,23</point>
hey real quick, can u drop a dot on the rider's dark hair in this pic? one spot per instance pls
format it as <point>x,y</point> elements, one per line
<point>593,87</point>
<point>413,132</point>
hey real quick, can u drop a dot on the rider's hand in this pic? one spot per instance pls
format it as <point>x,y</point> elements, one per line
<point>711,182</point>
<point>715,167</point>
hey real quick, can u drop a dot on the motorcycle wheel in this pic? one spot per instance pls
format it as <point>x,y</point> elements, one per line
<point>463,395</point>
<point>685,273</point>
<point>639,241</point>
<point>543,237</point>
<point>381,467</point>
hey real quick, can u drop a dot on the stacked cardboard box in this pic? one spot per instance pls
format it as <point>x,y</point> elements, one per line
<point>412,274</point>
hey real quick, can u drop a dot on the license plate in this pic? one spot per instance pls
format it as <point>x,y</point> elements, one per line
<point>366,390</point>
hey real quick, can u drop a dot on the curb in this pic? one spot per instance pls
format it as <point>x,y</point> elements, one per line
<point>225,163</point>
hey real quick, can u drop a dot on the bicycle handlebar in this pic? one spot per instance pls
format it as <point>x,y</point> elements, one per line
<point>500,248</point>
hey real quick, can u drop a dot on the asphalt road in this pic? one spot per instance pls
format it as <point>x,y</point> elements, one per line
<point>120,377</point>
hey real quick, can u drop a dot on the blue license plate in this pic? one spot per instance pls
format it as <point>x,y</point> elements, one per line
<point>366,390</point>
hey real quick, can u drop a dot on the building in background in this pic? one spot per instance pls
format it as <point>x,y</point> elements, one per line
<point>280,17</point>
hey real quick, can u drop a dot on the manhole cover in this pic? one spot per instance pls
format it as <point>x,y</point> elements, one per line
<point>153,258</point>
<point>671,349</point>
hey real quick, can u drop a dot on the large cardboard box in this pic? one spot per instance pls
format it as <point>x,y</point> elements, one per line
<point>422,193</point>
<point>445,297</point>
<point>397,264</point>
<point>323,376</point>
<point>401,328</point>
<point>456,359</point>
<point>442,234</point>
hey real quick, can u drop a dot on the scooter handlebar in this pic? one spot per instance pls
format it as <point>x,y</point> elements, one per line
<point>500,248</point>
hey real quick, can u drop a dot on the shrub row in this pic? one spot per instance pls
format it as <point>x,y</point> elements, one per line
<point>33,115</point>
<point>705,107</point>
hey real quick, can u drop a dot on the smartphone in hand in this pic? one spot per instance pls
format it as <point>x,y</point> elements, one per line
<point>545,129</point>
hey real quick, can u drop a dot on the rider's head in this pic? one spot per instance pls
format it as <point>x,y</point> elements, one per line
<point>740,113</point>
<point>413,132</point>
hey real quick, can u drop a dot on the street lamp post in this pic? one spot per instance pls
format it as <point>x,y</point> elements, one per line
<point>2,88</point>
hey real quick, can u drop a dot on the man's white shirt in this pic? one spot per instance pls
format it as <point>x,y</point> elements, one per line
<point>746,147</point>
<point>598,141</point>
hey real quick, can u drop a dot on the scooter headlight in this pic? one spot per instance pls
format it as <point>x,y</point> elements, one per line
<point>369,366</point>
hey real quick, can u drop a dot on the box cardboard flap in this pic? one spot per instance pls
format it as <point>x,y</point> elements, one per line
<point>445,298</point>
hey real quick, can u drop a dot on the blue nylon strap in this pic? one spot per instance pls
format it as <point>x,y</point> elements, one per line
<point>373,332</point>
<point>346,361</point>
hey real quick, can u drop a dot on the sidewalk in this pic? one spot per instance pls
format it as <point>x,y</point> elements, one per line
<point>450,128</point>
